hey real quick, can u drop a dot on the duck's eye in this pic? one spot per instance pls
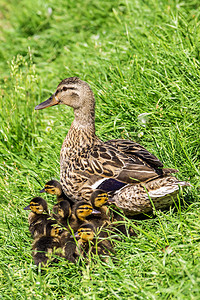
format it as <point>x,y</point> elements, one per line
<point>64,88</point>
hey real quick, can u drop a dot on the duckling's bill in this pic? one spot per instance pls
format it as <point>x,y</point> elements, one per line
<point>27,207</point>
<point>96,212</point>
<point>49,102</point>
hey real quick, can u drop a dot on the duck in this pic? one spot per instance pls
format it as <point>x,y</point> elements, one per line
<point>81,211</point>
<point>99,200</point>
<point>45,246</point>
<point>39,216</point>
<point>90,243</point>
<point>111,217</point>
<point>53,187</point>
<point>133,177</point>
<point>62,212</point>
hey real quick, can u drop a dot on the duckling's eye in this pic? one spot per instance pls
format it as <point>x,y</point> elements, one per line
<point>88,233</point>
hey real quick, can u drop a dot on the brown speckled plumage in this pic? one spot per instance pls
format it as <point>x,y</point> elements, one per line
<point>86,161</point>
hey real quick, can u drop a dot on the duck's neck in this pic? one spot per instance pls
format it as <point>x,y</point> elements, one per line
<point>82,134</point>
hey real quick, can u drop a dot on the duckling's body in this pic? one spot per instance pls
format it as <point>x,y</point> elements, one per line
<point>46,246</point>
<point>119,167</point>
<point>90,244</point>
<point>38,217</point>
<point>69,250</point>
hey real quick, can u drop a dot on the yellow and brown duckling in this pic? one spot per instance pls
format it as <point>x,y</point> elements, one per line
<point>82,210</point>
<point>46,246</point>
<point>62,212</point>
<point>99,201</point>
<point>120,167</point>
<point>53,187</point>
<point>110,218</point>
<point>89,243</point>
<point>38,217</point>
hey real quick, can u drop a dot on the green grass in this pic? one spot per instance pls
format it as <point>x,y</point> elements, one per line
<point>139,57</point>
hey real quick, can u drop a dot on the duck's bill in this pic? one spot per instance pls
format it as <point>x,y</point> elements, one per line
<point>96,212</point>
<point>49,102</point>
<point>110,201</point>
<point>27,207</point>
<point>43,190</point>
<point>76,235</point>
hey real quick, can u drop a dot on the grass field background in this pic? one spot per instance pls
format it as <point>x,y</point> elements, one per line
<point>139,57</point>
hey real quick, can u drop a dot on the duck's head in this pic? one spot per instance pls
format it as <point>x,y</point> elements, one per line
<point>52,187</point>
<point>37,205</point>
<point>62,209</point>
<point>85,232</point>
<point>74,93</point>
<point>99,198</point>
<point>83,209</point>
<point>53,229</point>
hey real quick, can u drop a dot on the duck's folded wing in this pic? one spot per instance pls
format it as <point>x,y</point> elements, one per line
<point>106,161</point>
<point>134,149</point>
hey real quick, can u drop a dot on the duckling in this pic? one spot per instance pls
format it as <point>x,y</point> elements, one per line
<point>53,187</point>
<point>69,249</point>
<point>90,244</point>
<point>99,199</point>
<point>118,221</point>
<point>113,219</point>
<point>45,245</point>
<point>38,217</point>
<point>62,212</point>
<point>82,209</point>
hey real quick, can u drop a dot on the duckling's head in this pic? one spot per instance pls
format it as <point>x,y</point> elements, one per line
<point>74,93</point>
<point>53,229</point>
<point>83,209</point>
<point>37,205</point>
<point>86,232</point>
<point>62,209</point>
<point>99,198</point>
<point>52,187</point>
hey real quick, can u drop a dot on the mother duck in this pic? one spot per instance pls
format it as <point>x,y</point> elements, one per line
<point>134,177</point>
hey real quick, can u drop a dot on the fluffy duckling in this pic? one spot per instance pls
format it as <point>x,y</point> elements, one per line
<point>82,210</point>
<point>62,212</point>
<point>53,187</point>
<point>90,244</point>
<point>113,219</point>
<point>38,217</point>
<point>46,245</point>
<point>118,224</point>
<point>99,199</point>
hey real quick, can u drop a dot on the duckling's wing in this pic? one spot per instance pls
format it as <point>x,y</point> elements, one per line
<point>106,161</point>
<point>134,149</point>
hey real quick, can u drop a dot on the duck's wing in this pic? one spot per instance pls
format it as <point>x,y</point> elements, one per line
<point>106,161</point>
<point>134,149</point>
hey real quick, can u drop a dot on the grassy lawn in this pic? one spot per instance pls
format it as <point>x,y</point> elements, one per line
<point>139,57</point>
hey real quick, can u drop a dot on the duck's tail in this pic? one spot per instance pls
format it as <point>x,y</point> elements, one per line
<point>169,187</point>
